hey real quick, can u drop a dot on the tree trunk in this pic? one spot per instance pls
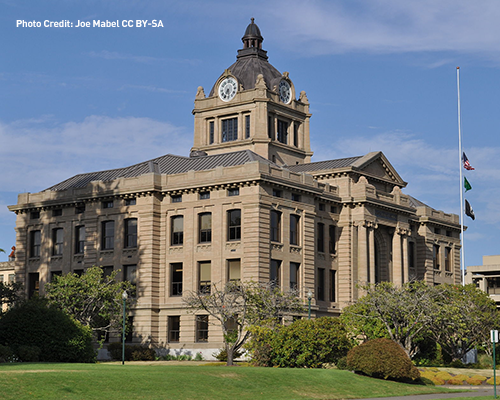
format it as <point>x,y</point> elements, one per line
<point>230,353</point>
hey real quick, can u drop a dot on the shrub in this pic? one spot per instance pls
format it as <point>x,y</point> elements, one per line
<point>456,380</point>
<point>475,380</point>
<point>222,355</point>
<point>29,353</point>
<point>142,353</point>
<point>132,352</point>
<point>59,337</point>
<point>6,354</point>
<point>443,375</point>
<point>198,357</point>
<point>382,358</point>
<point>342,363</point>
<point>259,346</point>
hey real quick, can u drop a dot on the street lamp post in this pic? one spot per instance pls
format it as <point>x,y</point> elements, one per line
<point>309,298</point>
<point>124,297</point>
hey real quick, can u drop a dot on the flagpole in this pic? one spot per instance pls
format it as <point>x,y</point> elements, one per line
<point>462,258</point>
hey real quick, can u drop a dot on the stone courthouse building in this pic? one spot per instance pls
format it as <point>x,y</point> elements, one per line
<point>247,204</point>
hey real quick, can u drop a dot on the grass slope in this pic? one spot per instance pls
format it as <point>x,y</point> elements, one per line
<point>105,381</point>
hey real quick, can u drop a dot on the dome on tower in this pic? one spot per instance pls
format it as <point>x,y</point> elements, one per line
<point>252,61</point>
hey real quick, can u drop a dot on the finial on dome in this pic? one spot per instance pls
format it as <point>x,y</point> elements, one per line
<point>252,37</point>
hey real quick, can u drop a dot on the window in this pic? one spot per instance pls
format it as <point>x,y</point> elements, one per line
<point>277,193</point>
<point>177,236</point>
<point>296,134</point>
<point>435,257</point>
<point>78,272</point>
<point>53,274</point>
<point>176,198</point>
<point>333,209</point>
<point>204,195</point>
<point>57,212</point>
<point>57,241</point>
<point>108,235</point>
<point>202,328</point>
<point>234,270</point>
<point>321,207</point>
<point>130,233</point>
<point>332,239</point>
<point>35,214</point>
<point>205,276</point>
<point>176,284</point>
<point>130,275</point>
<point>229,129</point>
<point>294,276</point>
<point>320,237</point>
<point>233,192</point>
<point>320,280</point>
<point>174,328</point>
<point>437,231</point>
<point>205,224</point>
<point>211,132</point>
<point>131,202</point>
<point>35,243</point>
<point>282,131</point>
<point>107,204</point>
<point>294,229</point>
<point>275,226</point>
<point>107,270</point>
<point>411,255</point>
<point>234,225</point>
<point>12,278</point>
<point>33,284</point>
<point>275,273</point>
<point>79,239</point>
<point>333,294</point>
<point>1,278</point>
<point>447,259</point>
<point>247,126</point>
<point>295,197</point>
<point>270,124</point>
<point>80,209</point>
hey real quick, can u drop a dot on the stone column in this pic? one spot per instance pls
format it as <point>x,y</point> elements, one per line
<point>362,254</point>
<point>397,268</point>
<point>371,250</point>
<point>406,264</point>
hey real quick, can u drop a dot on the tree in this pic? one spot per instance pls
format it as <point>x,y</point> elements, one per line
<point>9,294</point>
<point>463,319</point>
<point>405,311</point>
<point>237,305</point>
<point>93,299</point>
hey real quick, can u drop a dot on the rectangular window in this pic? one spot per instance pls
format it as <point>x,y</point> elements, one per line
<point>35,214</point>
<point>78,272</point>
<point>79,239</point>
<point>270,126</point>
<point>204,195</point>
<point>108,235</point>
<point>437,231</point>
<point>234,270</point>
<point>229,129</point>
<point>57,241</point>
<point>80,209</point>
<point>233,192</point>
<point>282,131</point>
<point>57,212</point>
<point>294,276</point>
<point>275,226</point>
<point>205,274</point>
<point>177,233</point>
<point>234,225</point>
<point>35,243</point>
<point>211,132</point>
<point>275,273</point>
<point>333,294</point>
<point>107,270</point>
<point>174,328</point>
<point>130,274</point>
<point>1,278</point>
<point>320,291</point>
<point>33,284</point>
<point>320,237</point>
<point>277,193</point>
<point>435,257</point>
<point>205,225</point>
<point>202,328</point>
<point>176,198</point>
<point>447,259</point>
<point>12,278</point>
<point>295,197</point>
<point>107,204</point>
<point>332,239</point>
<point>176,285</point>
<point>247,126</point>
<point>411,255</point>
<point>294,229</point>
<point>321,207</point>
<point>131,202</point>
<point>130,233</point>
<point>296,134</point>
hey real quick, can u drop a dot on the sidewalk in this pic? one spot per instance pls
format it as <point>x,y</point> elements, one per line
<point>473,391</point>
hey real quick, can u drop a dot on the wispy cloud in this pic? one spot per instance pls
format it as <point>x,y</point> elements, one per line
<point>113,55</point>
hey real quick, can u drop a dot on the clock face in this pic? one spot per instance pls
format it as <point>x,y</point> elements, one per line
<point>285,92</point>
<point>228,88</point>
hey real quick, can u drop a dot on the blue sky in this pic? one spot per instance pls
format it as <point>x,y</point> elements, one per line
<point>379,74</point>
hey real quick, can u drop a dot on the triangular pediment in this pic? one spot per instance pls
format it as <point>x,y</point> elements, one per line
<point>377,165</point>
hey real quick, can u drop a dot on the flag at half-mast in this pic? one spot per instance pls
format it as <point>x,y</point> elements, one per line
<point>466,162</point>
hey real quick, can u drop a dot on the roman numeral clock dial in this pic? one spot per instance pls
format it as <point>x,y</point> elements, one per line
<point>285,92</point>
<point>227,89</point>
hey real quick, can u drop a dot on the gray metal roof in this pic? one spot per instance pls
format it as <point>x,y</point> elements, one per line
<point>324,165</point>
<point>167,165</point>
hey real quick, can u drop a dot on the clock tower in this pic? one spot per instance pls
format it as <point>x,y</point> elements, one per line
<point>252,106</point>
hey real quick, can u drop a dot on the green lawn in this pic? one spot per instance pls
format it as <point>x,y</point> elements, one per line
<point>146,381</point>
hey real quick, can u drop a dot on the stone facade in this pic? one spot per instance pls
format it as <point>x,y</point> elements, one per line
<point>486,276</point>
<point>248,204</point>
